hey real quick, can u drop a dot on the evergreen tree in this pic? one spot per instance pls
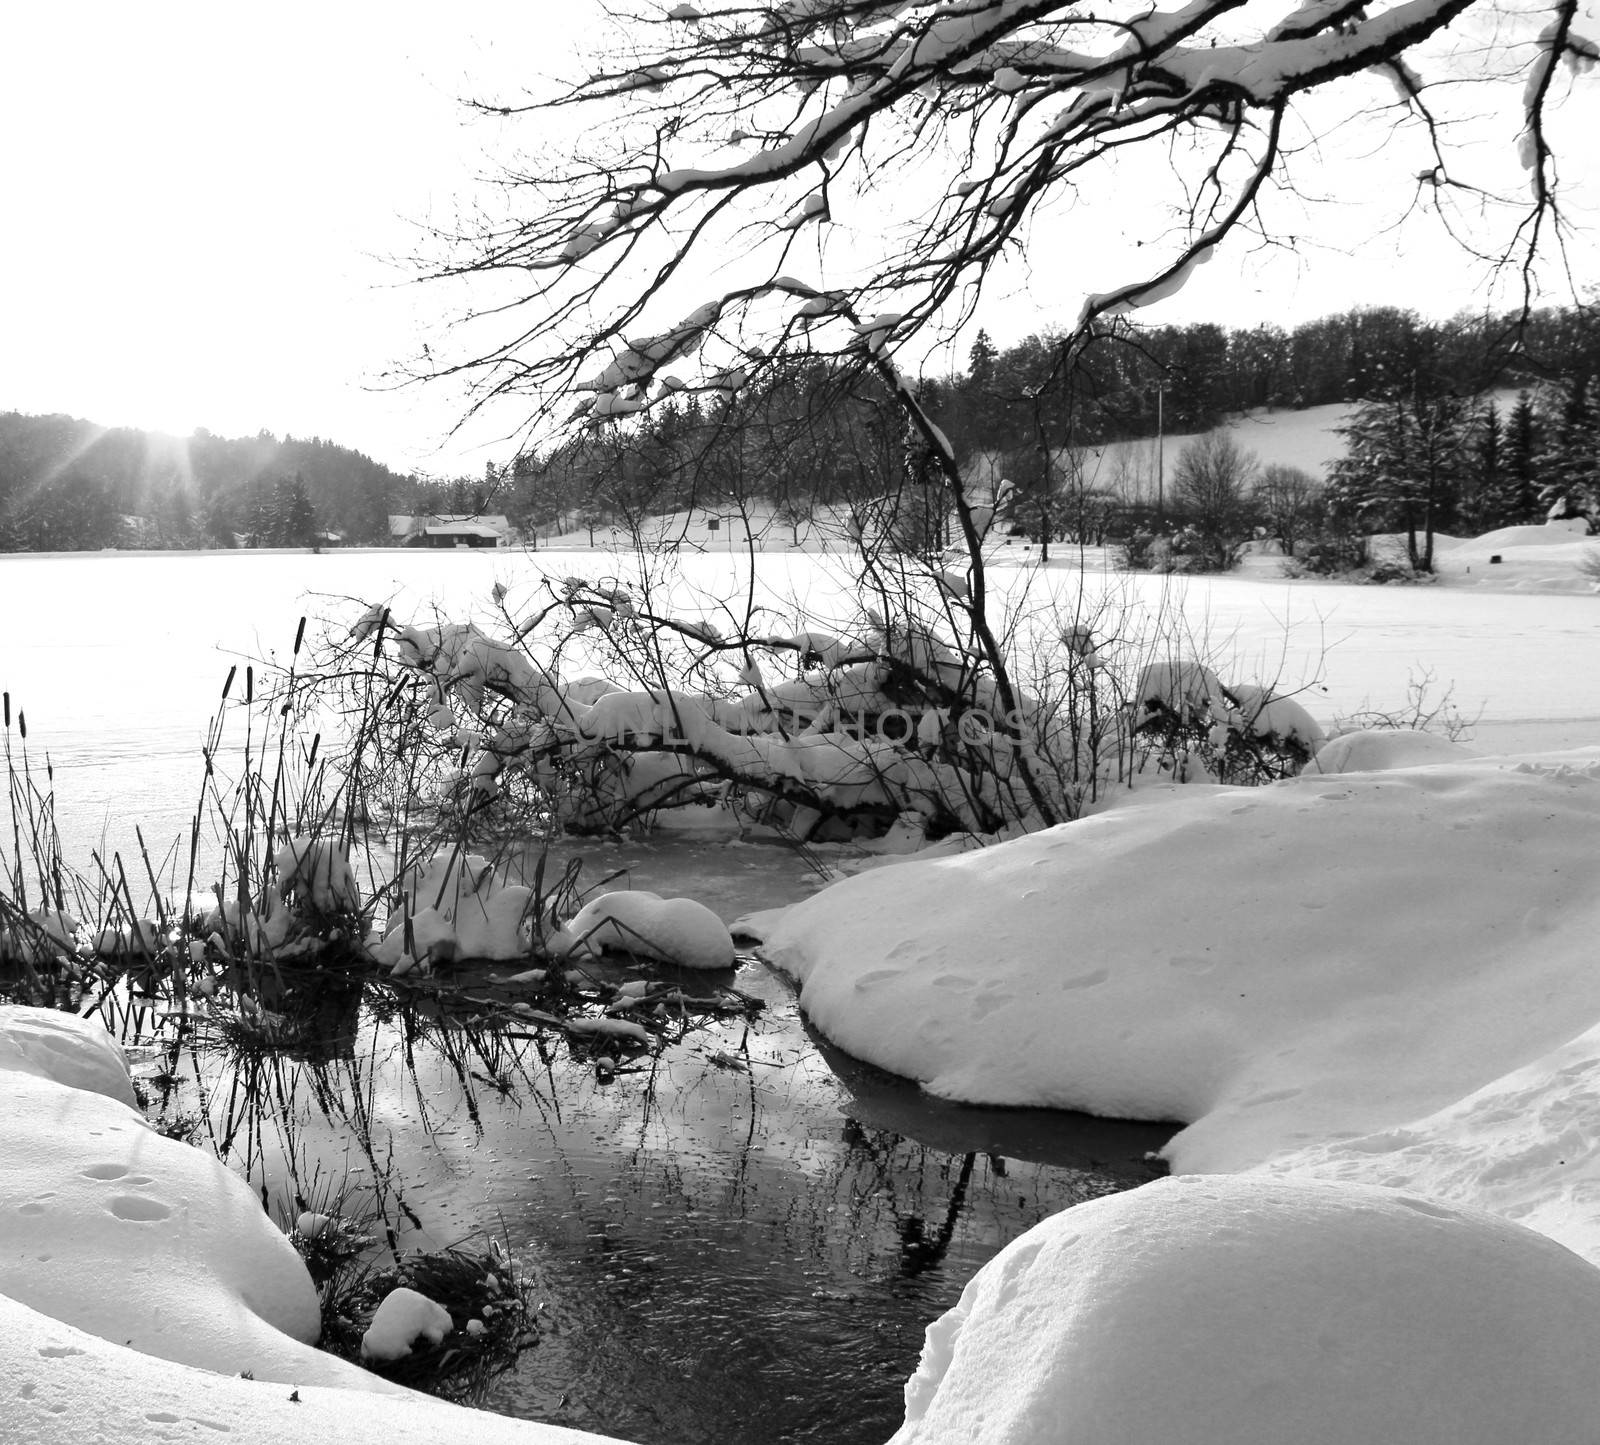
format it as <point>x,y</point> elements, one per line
<point>1484,501</point>
<point>1521,464</point>
<point>1401,468</point>
<point>1569,465</point>
<point>981,360</point>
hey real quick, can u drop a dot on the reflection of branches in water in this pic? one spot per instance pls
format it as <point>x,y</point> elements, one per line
<point>917,1251</point>
<point>318,1046</point>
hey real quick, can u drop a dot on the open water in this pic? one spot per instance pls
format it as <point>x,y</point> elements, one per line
<point>740,1241</point>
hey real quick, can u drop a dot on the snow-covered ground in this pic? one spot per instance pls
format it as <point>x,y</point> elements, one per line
<point>1370,996</point>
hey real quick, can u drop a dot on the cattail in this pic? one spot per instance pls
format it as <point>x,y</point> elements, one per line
<point>311,757</point>
<point>249,685</point>
<point>22,724</point>
<point>8,709</point>
<point>299,635</point>
<point>227,686</point>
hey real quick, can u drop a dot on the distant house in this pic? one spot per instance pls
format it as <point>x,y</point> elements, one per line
<point>443,529</point>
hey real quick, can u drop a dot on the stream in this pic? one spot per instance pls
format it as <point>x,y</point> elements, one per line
<point>738,1240</point>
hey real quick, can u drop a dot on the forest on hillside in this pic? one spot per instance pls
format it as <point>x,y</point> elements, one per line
<point>1427,444</point>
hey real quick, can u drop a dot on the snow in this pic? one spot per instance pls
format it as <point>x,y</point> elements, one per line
<point>1547,558</point>
<point>140,1280</point>
<point>1252,1311</point>
<point>1376,750</point>
<point>1148,293</point>
<point>137,1238</point>
<point>458,908</point>
<point>1332,955</point>
<point>319,870</point>
<point>66,1386</point>
<point>1376,977</point>
<point>671,930</point>
<point>403,1318</point>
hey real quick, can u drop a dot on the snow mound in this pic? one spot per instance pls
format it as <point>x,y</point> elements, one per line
<point>404,1317</point>
<point>135,1237</point>
<point>1259,1311</point>
<point>1525,1146</point>
<point>1332,955</point>
<point>1548,534</point>
<point>671,930</point>
<point>71,1051</point>
<point>317,871</point>
<point>1377,750</point>
<point>458,908</point>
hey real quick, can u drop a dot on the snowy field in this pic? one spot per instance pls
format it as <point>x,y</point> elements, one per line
<point>1369,993</point>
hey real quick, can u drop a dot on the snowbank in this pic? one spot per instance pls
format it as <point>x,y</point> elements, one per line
<point>1378,750</point>
<point>1553,557</point>
<point>1350,984</point>
<point>139,1279</point>
<point>65,1386</point>
<point>135,1237</point>
<point>1237,1310</point>
<point>1276,966</point>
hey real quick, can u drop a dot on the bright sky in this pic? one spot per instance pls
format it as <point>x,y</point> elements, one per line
<point>205,205</point>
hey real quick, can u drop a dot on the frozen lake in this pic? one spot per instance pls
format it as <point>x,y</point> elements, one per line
<point>118,660</point>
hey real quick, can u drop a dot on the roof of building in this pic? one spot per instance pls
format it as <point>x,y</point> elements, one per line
<point>462,529</point>
<point>430,522</point>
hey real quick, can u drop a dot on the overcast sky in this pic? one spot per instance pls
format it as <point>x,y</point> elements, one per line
<point>204,204</point>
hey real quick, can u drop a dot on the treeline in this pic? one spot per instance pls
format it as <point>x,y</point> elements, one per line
<point>68,484</point>
<point>810,432</point>
<point>1126,380</point>
<point>1422,462</point>
<point>805,433</point>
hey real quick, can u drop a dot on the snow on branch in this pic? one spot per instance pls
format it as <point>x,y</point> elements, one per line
<point>735,134</point>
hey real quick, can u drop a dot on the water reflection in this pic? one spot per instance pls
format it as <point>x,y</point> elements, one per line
<point>740,1239</point>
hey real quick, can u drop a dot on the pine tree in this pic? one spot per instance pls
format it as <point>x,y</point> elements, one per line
<point>1484,504</point>
<point>980,361</point>
<point>1569,465</point>
<point>1521,465</point>
<point>1401,469</point>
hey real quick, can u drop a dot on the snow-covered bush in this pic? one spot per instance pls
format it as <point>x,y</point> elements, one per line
<point>822,727</point>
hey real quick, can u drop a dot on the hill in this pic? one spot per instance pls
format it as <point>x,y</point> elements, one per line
<point>70,484</point>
